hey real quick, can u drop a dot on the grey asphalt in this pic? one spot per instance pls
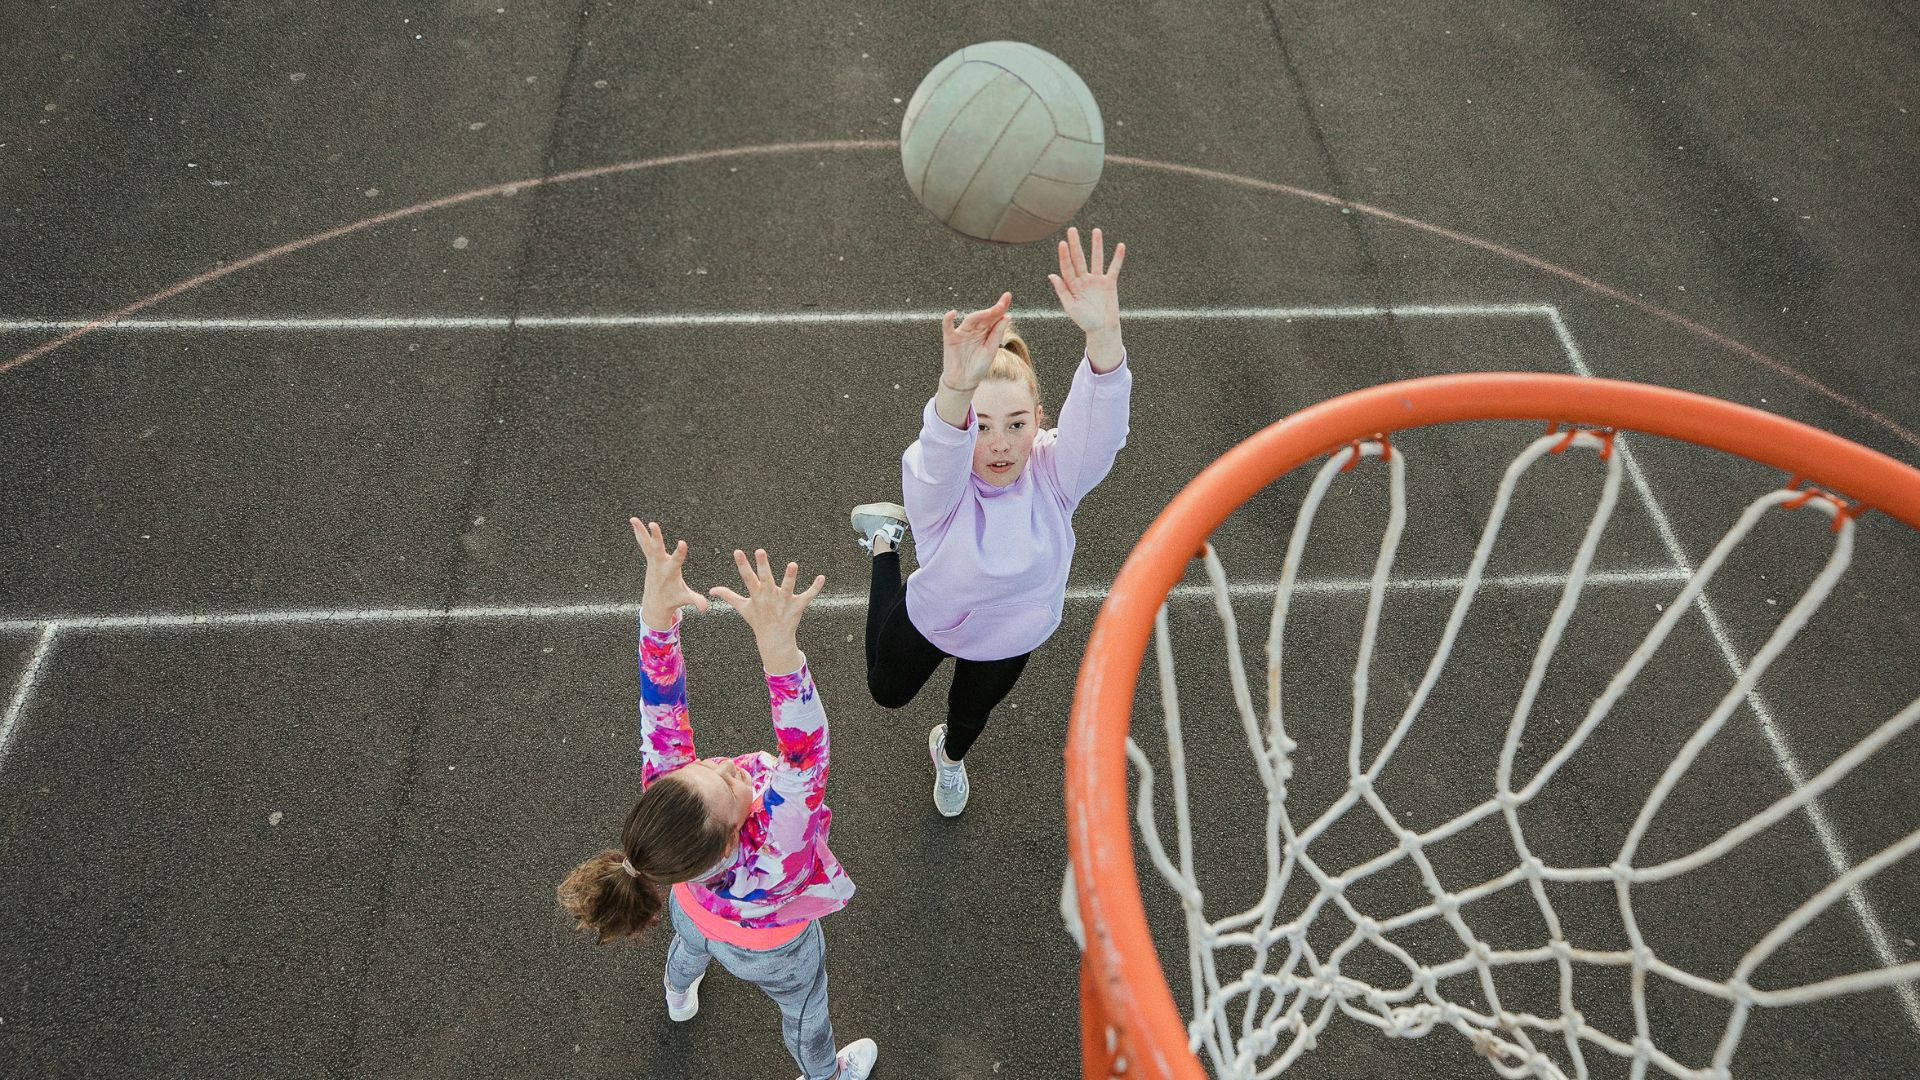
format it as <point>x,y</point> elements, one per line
<point>328,848</point>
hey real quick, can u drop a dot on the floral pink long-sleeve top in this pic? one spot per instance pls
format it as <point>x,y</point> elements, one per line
<point>781,872</point>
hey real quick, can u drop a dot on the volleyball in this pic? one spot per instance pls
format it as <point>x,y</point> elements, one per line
<point>1002,142</point>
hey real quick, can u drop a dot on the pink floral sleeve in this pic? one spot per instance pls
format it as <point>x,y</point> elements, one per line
<point>797,797</point>
<point>783,872</point>
<point>666,735</point>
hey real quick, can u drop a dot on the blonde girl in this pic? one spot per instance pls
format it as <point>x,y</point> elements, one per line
<point>990,494</point>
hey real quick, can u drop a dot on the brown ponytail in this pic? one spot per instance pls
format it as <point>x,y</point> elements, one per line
<point>671,835</point>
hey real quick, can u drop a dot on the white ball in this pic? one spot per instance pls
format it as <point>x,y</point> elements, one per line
<point>1002,141</point>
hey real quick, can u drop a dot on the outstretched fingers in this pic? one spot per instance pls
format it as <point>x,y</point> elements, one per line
<point>987,316</point>
<point>1077,259</point>
<point>654,545</point>
<point>1119,256</point>
<point>745,568</point>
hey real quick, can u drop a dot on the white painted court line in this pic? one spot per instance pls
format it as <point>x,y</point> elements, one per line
<point>753,318</point>
<point>1824,832</point>
<point>829,602</point>
<point>21,690</point>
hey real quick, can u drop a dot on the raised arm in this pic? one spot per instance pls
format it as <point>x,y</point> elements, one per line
<point>772,609</point>
<point>1089,293</point>
<point>966,351</point>
<point>1093,421</point>
<point>933,471</point>
<point>666,735</point>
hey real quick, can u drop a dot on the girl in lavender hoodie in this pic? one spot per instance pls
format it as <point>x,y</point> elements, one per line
<point>990,498</point>
<point>733,849</point>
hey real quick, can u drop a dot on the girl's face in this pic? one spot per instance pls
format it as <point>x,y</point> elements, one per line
<point>1007,418</point>
<point>725,786</point>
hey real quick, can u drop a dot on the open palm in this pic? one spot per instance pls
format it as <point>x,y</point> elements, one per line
<point>665,588</point>
<point>1087,287</point>
<point>967,349</point>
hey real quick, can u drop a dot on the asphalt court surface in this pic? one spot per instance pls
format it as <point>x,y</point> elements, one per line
<point>434,778</point>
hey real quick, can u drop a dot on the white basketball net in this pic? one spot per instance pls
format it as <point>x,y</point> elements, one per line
<point>1257,1023</point>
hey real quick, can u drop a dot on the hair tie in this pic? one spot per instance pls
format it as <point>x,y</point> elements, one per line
<point>628,867</point>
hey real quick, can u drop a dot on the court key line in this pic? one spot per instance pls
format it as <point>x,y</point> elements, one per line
<point>1787,761</point>
<point>53,625</point>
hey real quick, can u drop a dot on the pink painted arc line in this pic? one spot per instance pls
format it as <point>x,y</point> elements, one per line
<point>509,188</point>
<point>512,187</point>
<point>1608,291</point>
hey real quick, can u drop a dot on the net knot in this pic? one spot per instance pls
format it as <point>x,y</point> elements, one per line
<point>1359,449</point>
<point>1533,867</point>
<point>1508,800</point>
<point>1603,434</point>
<point>1844,509</point>
<point>1447,903</point>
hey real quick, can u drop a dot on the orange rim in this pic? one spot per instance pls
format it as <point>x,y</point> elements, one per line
<point>1122,983</point>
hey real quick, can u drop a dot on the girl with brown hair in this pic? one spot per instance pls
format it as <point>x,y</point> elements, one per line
<point>734,849</point>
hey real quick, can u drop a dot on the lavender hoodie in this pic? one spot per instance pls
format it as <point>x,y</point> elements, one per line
<point>994,561</point>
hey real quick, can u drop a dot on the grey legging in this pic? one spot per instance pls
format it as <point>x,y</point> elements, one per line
<point>794,975</point>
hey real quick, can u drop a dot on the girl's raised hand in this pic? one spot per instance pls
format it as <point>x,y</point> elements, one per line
<point>665,590</point>
<point>967,349</point>
<point>771,607</point>
<point>1087,288</point>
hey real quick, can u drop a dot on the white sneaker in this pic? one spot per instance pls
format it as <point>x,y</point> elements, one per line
<point>856,1060</point>
<point>683,1006</point>
<point>889,519</point>
<point>949,778</point>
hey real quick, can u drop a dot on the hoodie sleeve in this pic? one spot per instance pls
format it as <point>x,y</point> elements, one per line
<point>933,471</point>
<point>1093,428</point>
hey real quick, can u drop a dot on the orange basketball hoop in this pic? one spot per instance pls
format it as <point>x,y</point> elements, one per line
<point>1130,1025</point>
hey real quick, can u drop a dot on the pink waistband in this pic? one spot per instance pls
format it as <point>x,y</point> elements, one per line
<point>717,928</point>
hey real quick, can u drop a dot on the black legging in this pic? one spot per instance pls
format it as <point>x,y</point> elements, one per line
<point>900,660</point>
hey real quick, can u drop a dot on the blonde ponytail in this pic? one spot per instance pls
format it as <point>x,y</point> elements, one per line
<point>1014,362</point>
